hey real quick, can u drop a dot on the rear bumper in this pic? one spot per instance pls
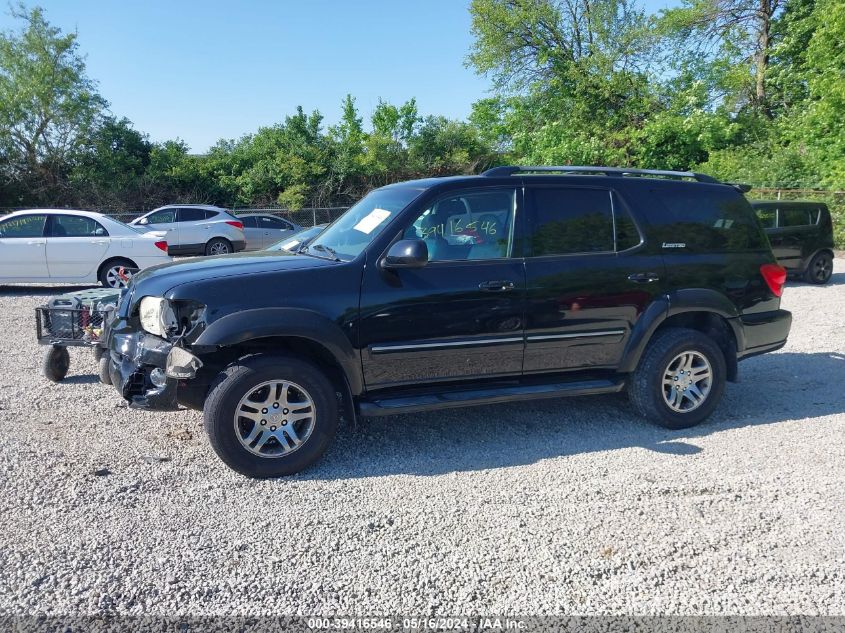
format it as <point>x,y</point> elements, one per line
<point>239,245</point>
<point>764,332</point>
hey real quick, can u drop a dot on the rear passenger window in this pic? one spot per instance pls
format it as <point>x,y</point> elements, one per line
<point>192,215</point>
<point>267,222</point>
<point>571,220</point>
<point>794,216</point>
<point>76,226</point>
<point>708,219</point>
<point>249,222</point>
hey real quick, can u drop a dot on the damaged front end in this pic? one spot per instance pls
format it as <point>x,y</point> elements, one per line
<point>145,367</point>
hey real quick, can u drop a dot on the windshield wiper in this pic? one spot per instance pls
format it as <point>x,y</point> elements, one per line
<point>327,250</point>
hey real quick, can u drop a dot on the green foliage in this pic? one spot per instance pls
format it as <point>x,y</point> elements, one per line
<point>747,90</point>
<point>824,123</point>
<point>47,105</point>
<point>111,161</point>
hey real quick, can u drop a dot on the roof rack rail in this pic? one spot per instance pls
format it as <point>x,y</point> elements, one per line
<point>604,171</point>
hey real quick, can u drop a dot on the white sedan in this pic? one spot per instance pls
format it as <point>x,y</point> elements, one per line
<point>63,246</point>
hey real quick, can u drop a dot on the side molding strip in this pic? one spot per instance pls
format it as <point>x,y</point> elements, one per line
<point>386,349</point>
<point>548,337</point>
<point>382,349</point>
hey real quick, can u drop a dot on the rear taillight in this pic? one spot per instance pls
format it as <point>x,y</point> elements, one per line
<point>775,277</point>
<point>237,225</point>
<point>162,245</point>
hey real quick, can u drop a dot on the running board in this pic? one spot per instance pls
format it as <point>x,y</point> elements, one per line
<point>472,397</point>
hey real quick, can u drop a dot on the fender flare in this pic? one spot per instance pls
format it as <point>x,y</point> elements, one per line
<point>680,302</point>
<point>248,325</point>
<point>805,262</point>
<point>641,334</point>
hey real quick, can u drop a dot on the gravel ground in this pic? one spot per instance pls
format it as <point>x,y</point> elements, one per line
<point>567,506</point>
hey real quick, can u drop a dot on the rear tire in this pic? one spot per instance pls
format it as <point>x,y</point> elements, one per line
<point>257,440</point>
<point>218,246</point>
<point>819,269</point>
<point>56,363</point>
<point>679,380</point>
<point>108,275</point>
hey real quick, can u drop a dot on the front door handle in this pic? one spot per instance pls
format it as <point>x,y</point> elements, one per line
<point>643,278</point>
<point>496,286</point>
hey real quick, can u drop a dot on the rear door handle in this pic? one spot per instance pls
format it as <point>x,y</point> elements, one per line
<point>496,286</point>
<point>643,278</point>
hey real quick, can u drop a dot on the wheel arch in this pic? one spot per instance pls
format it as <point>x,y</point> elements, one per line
<point>304,332</point>
<point>809,258</point>
<point>218,237</point>
<point>703,310</point>
<point>116,258</point>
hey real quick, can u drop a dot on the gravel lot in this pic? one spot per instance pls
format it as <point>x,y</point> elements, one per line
<point>567,506</point>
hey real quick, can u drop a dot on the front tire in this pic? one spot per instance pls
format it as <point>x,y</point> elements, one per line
<point>104,369</point>
<point>819,269</point>
<point>270,416</point>
<point>679,380</point>
<point>218,246</point>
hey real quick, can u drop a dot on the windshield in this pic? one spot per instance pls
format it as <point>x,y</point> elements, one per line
<point>350,234</point>
<point>292,241</point>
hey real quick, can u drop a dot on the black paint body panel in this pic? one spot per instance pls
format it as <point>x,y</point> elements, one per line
<point>411,334</point>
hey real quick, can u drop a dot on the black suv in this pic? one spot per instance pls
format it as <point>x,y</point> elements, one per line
<point>520,283</point>
<point>801,235</point>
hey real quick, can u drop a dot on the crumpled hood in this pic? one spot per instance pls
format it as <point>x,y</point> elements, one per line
<point>157,280</point>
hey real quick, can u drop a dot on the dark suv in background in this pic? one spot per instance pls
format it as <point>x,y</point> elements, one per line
<point>520,283</point>
<point>801,235</point>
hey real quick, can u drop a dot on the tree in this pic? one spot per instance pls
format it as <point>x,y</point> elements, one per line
<point>731,33</point>
<point>522,42</point>
<point>111,164</point>
<point>792,32</point>
<point>824,124</point>
<point>48,105</point>
<point>571,75</point>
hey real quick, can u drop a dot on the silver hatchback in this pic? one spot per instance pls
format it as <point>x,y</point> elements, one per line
<point>193,229</point>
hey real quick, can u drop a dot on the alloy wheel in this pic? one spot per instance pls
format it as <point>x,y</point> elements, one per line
<point>687,381</point>
<point>822,269</point>
<point>114,279</point>
<point>274,419</point>
<point>219,248</point>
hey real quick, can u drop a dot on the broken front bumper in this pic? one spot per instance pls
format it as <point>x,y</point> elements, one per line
<point>146,371</point>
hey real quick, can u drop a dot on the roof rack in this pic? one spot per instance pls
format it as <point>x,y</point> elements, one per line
<point>604,171</point>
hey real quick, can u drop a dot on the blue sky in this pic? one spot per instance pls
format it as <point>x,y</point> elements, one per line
<point>200,70</point>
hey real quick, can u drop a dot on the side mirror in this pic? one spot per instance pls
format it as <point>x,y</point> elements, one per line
<point>142,221</point>
<point>406,254</point>
<point>100,231</point>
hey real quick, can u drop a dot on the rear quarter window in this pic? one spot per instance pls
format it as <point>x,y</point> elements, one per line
<point>708,219</point>
<point>797,216</point>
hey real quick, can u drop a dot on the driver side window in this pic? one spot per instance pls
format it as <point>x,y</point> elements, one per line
<point>165,216</point>
<point>473,225</point>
